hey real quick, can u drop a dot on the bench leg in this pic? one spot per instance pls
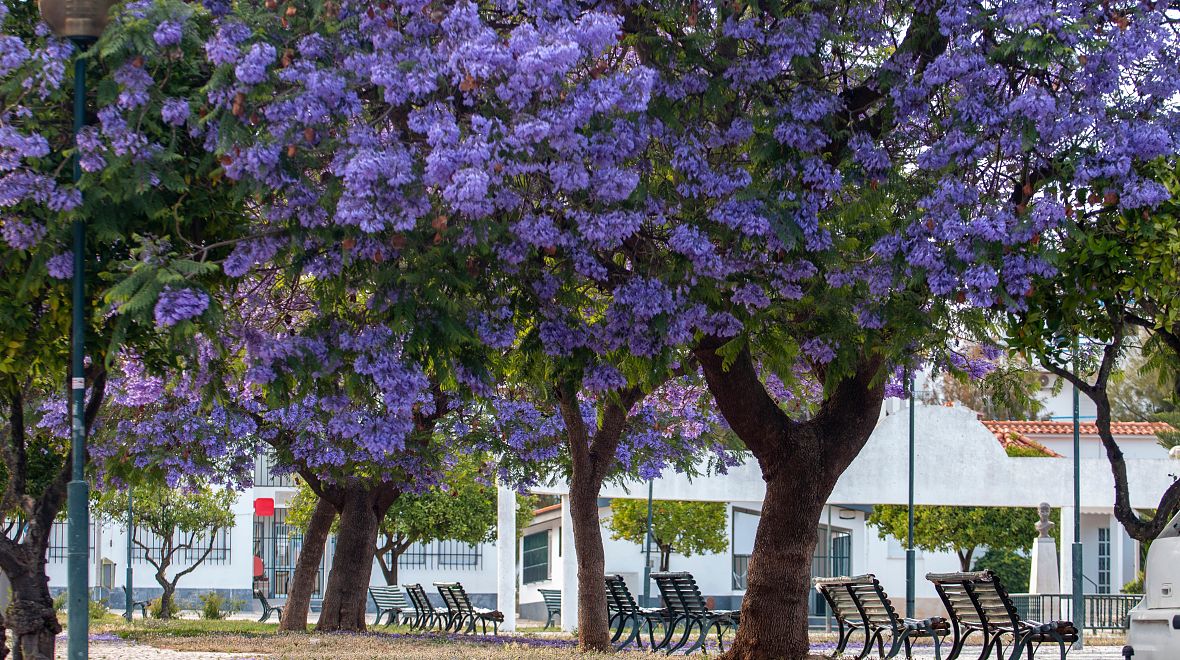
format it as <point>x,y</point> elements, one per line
<point>689,624</point>
<point>845,633</point>
<point>622,627</point>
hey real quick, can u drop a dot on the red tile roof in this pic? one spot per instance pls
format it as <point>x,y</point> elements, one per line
<point>1015,433</point>
<point>1066,428</point>
<point>547,509</point>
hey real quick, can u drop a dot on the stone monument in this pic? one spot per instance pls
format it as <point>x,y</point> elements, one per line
<point>1045,578</point>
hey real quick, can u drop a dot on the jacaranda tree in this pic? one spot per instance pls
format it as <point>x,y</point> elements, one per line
<point>591,201</point>
<point>147,203</point>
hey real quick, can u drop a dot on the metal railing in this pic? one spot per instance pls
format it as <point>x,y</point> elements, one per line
<point>1102,611</point>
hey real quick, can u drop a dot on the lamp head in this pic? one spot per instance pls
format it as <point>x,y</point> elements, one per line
<point>76,18</point>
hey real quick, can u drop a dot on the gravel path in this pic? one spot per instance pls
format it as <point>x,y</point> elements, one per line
<point>120,650</point>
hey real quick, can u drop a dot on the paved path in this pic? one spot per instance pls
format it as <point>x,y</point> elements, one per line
<point>108,650</point>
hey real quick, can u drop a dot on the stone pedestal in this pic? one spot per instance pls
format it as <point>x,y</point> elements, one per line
<point>1045,577</point>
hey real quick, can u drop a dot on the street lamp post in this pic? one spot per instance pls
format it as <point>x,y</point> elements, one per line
<point>82,22</point>
<point>647,549</point>
<point>129,598</point>
<point>1079,600</point>
<point>910,556</point>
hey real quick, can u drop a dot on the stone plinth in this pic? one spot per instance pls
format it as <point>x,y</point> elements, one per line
<point>1045,578</point>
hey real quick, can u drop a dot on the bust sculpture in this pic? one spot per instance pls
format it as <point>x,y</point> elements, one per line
<point>1044,526</point>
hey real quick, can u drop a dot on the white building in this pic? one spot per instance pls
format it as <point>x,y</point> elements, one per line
<point>960,460</point>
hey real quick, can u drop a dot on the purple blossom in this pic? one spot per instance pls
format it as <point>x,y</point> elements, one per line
<point>176,305</point>
<point>21,235</point>
<point>175,112</point>
<point>818,350</point>
<point>61,266</point>
<point>252,70</point>
<point>168,33</point>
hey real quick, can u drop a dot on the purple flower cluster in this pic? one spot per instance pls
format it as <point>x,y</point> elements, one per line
<point>176,305</point>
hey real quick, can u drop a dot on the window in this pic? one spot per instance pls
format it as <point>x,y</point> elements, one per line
<point>535,558</point>
<point>59,548</point>
<point>1103,560</point>
<point>267,471</point>
<point>441,554</point>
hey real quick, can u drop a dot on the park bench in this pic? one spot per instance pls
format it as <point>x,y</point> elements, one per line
<point>977,602</point>
<point>859,603</point>
<point>552,599</point>
<point>463,612</point>
<point>141,604</point>
<point>426,615</point>
<point>687,606</point>
<point>389,600</point>
<point>267,608</point>
<point>624,610</point>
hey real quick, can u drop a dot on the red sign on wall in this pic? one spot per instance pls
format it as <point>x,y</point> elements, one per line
<point>264,507</point>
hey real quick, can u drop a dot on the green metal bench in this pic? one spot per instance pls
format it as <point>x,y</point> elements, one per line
<point>426,615</point>
<point>623,610</point>
<point>859,603</point>
<point>978,603</point>
<point>267,608</point>
<point>389,600</point>
<point>687,606</point>
<point>141,604</point>
<point>463,615</point>
<point>552,599</point>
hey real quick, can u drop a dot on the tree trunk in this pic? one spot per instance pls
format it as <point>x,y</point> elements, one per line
<point>800,463</point>
<point>593,632</point>
<point>965,558</point>
<point>3,638</point>
<point>1144,531</point>
<point>302,583</point>
<point>395,548</point>
<point>167,596</point>
<point>30,616</point>
<point>778,588</point>
<point>346,594</point>
<point>665,556</point>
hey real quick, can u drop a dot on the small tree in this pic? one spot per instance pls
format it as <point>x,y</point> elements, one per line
<point>181,521</point>
<point>462,509</point>
<point>688,528</point>
<point>1169,439</point>
<point>963,529</point>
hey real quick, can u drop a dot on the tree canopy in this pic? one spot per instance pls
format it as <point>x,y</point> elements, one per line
<point>963,530</point>
<point>686,528</point>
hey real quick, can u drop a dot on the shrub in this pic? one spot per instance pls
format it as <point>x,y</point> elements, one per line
<point>98,610</point>
<point>1013,568</point>
<point>211,606</point>
<point>1134,586</point>
<point>59,602</point>
<point>154,608</point>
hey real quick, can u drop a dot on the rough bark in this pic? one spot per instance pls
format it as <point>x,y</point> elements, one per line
<point>1138,528</point>
<point>587,532</point>
<point>345,596</point>
<point>591,458</point>
<point>302,583</point>
<point>800,462</point>
<point>30,615</point>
